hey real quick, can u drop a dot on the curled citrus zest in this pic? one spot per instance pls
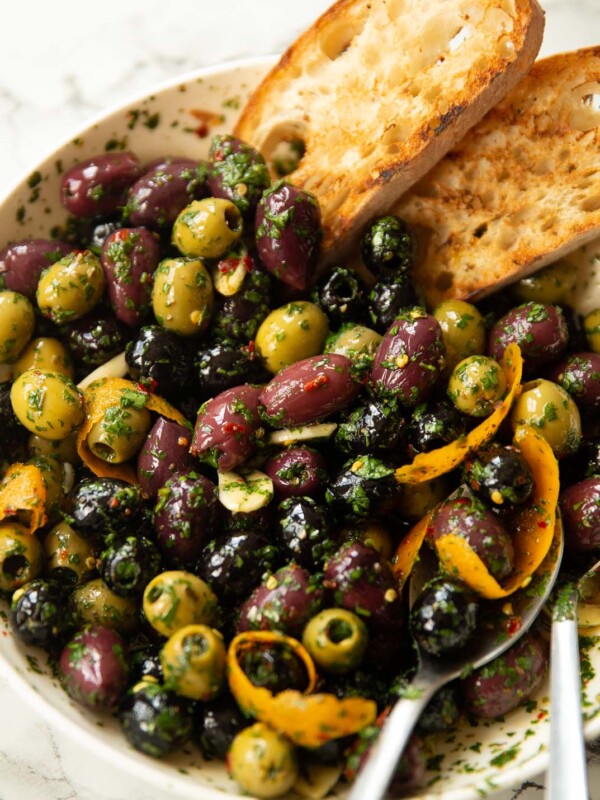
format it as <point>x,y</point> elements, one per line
<point>101,395</point>
<point>23,495</point>
<point>437,462</point>
<point>408,549</point>
<point>309,720</point>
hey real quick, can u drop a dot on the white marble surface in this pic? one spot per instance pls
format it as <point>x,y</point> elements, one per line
<point>60,63</point>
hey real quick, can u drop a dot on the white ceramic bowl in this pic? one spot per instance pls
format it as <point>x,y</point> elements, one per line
<point>178,119</point>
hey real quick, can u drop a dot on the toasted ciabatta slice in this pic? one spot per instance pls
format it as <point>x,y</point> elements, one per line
<point>379,90</point>
<point>520,190</point>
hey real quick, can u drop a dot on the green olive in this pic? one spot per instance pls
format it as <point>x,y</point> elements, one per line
<point>47,403</point>
<point>476,385</point>
<point>463,330</point>
<point>63,449</point>
<point>417,499</point>
<point>46,354</point>
<point>71,287</point>
<point>552,284</point>
<point>552,412</point>
<point>95,603</point>
<point>53,477</point>
<point>182,296</point>
<point>357,342</point>
<point>262,761</point>
<point>207,228</point>
<point>193,662</point>
<point>175,599</point>
<point>69,558</point>
<point>591,326</point>
<point>120,433</point>
<point>336,639</point>
<point>20,556</point>
<point>17,321</point>
<point>295,331</point>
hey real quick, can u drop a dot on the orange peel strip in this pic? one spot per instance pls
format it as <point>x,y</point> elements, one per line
<point>309,720</point>
<point>103,394</point>
<point>408,549</point>
<point>437,462</point>
<point>533,526</point>
<point>23,493</point>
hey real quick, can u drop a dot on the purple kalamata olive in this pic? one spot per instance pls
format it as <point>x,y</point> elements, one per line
<point>580,507</point>
<point>129,258</point>
<point>305,532</point>
<point>237,172</point>
<point>503,684</point>
<point>22,263</point>
<point>186,517</point>
<point>228,427</point>
<point>579,375</point>
<point>410,358</point>
<point>164,190</point>
<point>539,329</point>
<point>165,452</point>
<point>297,471</point>
<point>468,517</point>
<point>97,187</point>
<point>310,390</point>
<point>93,667</point>
<point>288,232</point>
<point>360,579</point>
<point>95,338</point>
<point>284,602</point>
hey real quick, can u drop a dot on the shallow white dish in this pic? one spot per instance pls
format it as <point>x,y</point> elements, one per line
<point>178,118</point>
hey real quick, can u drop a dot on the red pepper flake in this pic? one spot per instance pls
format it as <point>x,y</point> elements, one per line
<point>121,235</point>
<point>542,714</point>
<point>232,427</point>
<point>206,119</point>
<point>316,383</point>
<point>114,503</point>
<point>145,389</point>
<point>514,625</point>
<point>543,523</point>
<point>227,265</point>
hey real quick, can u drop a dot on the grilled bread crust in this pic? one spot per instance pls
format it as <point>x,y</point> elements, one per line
<point>379,90</point>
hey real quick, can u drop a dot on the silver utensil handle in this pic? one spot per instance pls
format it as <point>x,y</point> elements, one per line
<point>374,778</point>
<point>567,774</point>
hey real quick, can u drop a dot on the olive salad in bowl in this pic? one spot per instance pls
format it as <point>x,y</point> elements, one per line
<point>213,461</point>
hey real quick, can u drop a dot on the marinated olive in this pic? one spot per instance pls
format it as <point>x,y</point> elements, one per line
<point>336,639</point>
<point>38,613</point>
<point>157,359</point>
<point>463,330</point>
<point>376,427</point>
<point>98,507</point>
<point>21,556</point>
<point>175,599</point>
<point>182,296</point>
<point>69,558</point>
<point>388,246</point>
<point>288,233</point>
<point>237,172</point>
<point>477,385</point>
<point>591,326</point>
<point>47,403</point>
<point>95,339</point>
<point>207,228</point>
<point>53,477</point>
<point>22,263</point>
<point>71,287</point>
<point>389,298</point>
<point>548,408</point>
<point>374,534</point>
<point>93,668</point>
<point>274,666</point>
<point>12,430</point>
<point>356,342</point>
<point>165,451</point>
<point>359,487</point>
<point>129,564</point>
<point>95,603</point>
<point>45,354</point>
<point>574,322</point>
<point>341,295</point>
<point>432,425</point>
<point>539,329</point>
<point>119,434</point>
<point>580,506</point>
<point>444,617</point>
<point>551,284</point>
<point>297,471</point>
<point>63,449</point>
<point>262,761</point>
<point>498,474</point>
<point>442,712</point>
<point>217,724</point>
<point>291,333</point>
<point>225,365</point>
<point>193,662</point>
<point>416,500</point>
<point>238,317</point>
<point>579,375</point>
<point>17,321</point>
<point>164,190</point>
<point>305,532</point>
<point>96,187</point>
<point>154,720</point>
<point>584,464</point>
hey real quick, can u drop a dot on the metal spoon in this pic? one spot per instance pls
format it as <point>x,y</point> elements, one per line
<point>492,639</point>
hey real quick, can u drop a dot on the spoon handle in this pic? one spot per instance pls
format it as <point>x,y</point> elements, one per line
<point>567,773</point>
<point>375,776</point>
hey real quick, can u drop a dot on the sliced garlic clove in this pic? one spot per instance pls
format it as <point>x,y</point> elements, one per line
<point>228,275</point>
<point>304,433</point>
<point>245,491</point>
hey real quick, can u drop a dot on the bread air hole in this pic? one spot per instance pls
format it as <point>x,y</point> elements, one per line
<point>459,37</point>
<point>444,281</point>
<point>590,203</point>
<point>585,115</point>
<point>337,38</point>
<point>284,147</point>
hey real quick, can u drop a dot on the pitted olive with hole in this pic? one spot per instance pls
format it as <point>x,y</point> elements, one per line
<point>94,603</point>
<point>341,294</point>
<point>337,640</point>
<point>175,599</point>
<point>17,321</point>
<point>552,412</point>
<point>71,287</point>
<point>262,761</point>
<point>47,354</point>
<point>47,403</point>
<point>120,434</point>
<point>69,558</point>
<point>182,296</point>
<point>552,284</point>
<point>591,326</point>
<point>295,331</point>
<point>193,662</point>
<point>21,556</point>
<point>477,385</point>
<point>388,246</point>
<point>207,228</point>
<point>463,330</point>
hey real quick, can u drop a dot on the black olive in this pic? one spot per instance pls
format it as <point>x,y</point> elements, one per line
<point>12,430</point>
<point>217,724</point>
<point>444,617</point>
<point>145,663</point>
<point>38,613</point>
<point>95,339</point>
<point>363,682</point>
<point>305,532</point>
<point>433,425</point>
<point>129,564</point>
<point>100,507</point>
<point>388,246</point>
<point>359,487</point>
<point>441,713</point>
<point>239,316</point>
<point>159,360</point>
<point>499,475</point>
<point>376,427</point>
<point>275,668</point>
<point>387,299</point>
<point>341,295</point>
<point>225,365</point>
<point>155,721</point>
